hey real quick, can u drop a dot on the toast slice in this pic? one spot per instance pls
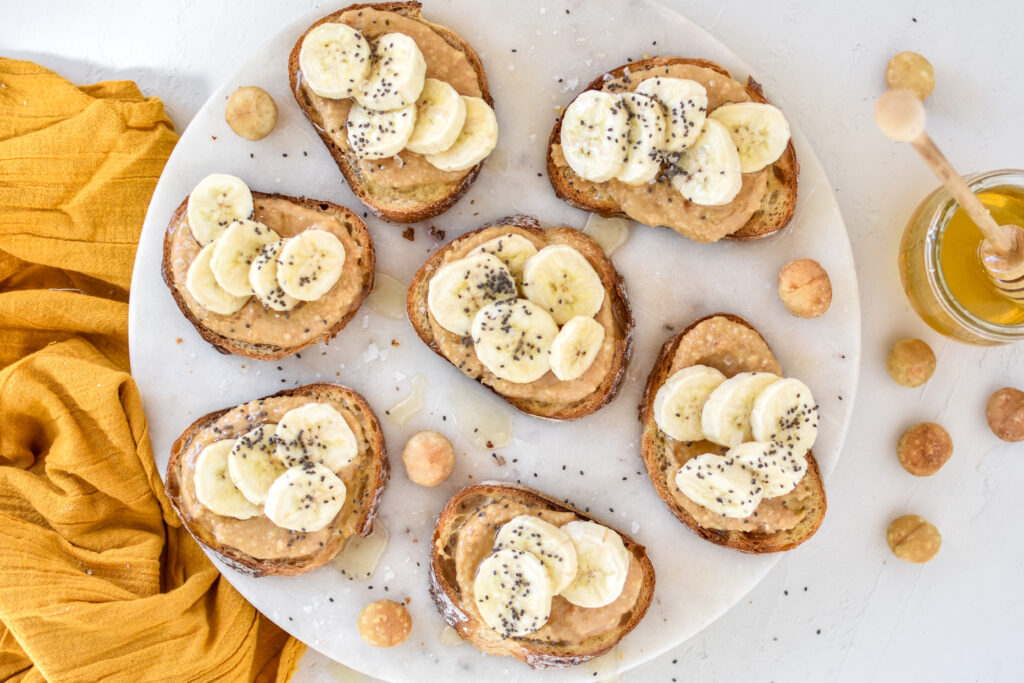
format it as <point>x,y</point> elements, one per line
<point>365,479</point>
<point>547,397</point>
<point>455,602</point>
<point>772,213</point>
<point>732,345</point>
<point>406,201</point>
<point>312,321</point>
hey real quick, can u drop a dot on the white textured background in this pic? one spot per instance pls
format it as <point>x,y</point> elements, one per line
<point>840,607</point>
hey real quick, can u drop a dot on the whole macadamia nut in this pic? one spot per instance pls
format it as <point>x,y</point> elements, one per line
<point>251,112</point>
<point>804,288</point>
<point>913,539</point>
<point>911,362</point>
<point>1005,414</point>
<point>910,71</point>
<point>924,449</point>
<point>385,623</point>
<point>428,458</point>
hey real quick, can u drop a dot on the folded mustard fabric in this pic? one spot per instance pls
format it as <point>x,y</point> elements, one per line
<point>98,578</point>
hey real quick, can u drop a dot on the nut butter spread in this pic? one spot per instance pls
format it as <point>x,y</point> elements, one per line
<point>258,536</point>
<point>444,62</point>
<point>568,622</point>
<point>732,348</point>
<point>549,389</point>
<point>659,203</point>
<point>255,324</point>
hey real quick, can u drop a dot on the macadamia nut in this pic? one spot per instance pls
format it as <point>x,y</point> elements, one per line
<point>251,112</point>
<point>924,449</point>
<point>804,288</point>
<point>910,71</point>
<point>428,458</point>
<point>913,539</point>
<point>1005,414</point>
<point>385,623</point>
<point>911,362</point>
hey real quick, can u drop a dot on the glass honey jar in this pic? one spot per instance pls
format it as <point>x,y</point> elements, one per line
<point>942,272</point>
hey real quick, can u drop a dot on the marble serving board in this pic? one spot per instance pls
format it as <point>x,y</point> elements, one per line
<point>538,55</point>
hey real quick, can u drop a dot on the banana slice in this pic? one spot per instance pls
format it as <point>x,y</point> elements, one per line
<point>512,591</point>
<point>645,139</point>
<point>512,250</point>
<point>478,137</point>
<point>310,263</point>
<point>305,498</point>
<point>440,115</point>
<point>562,281</point>
<point>778,469</point>
<point>759,131</point>
<point>252,465</point>
<point>551,545</point>
<point>334,60</point>
<point>686,104</point>
<point>315,432</point>
<point>679,401</point>
<point>263,279</point>
<point>397,73</point>
<point>513,338</point>
<point>202,285</point>
<point>725,418</point>
<point>721,484</point>
<point>575,348</point>
<point>214,487</point>
<point>217,200</point>
<point>603,563</point>
<point>595,128</point>
<point>785,413</point>
<point>379,134</point>
<point>461,288</point>
<point>708,172</point>
<point>235,250</point>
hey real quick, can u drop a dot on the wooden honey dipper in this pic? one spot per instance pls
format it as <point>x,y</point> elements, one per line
<point>900,115</point>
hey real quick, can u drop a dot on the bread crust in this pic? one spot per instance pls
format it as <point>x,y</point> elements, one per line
<point>652,450</point>
<point>348,163</point>
<point>378,473</point>
<point>416,308</point>
<point>227,345</point>
<point>452,603</point>
<point>777,205</point>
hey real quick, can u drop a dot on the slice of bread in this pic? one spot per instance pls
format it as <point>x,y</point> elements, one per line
<point>335,319</point>
<point>529,401</point>
<point>777,203</point>
<point>660,457</point>
<point>455,602</point>
<point>365,486</point>
<point>410,202</point>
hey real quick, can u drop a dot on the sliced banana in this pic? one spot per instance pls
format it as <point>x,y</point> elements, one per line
<point>562,281</point>
<point>513,338</point>
<point>461,288</point>
<point>551,545</point>
<point>305,498</point>
<point>252,465</point>
<point>214,487</point>
<point>759,131</point>
<point>512,591</point>
<point>778,469</point>
<point>477,139</point>
<point>603,564</point>
<point>217,200</point>
<point>235,250</point>
<point>263,279</point>
<point>575,348</point>
<point>595,128</point>
<point>645,139</point>
<point>397,72</point>
<point>686,105</point>
<point>708,172</point>
<point>678,403</point>
<point>202,285</point>
<point>440,115</point>
<point>512,250</point>
<point>725,417</point>
<point>315,432</point>
<point>334,60</point>
<point>721,484</point>
<point>379,134</point>
<point>785,413</point>
<point>310,263</point>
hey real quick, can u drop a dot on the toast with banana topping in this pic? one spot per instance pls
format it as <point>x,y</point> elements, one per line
<point>518,573</point>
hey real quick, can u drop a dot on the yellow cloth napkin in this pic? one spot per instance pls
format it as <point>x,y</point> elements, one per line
<point>98,578</point>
